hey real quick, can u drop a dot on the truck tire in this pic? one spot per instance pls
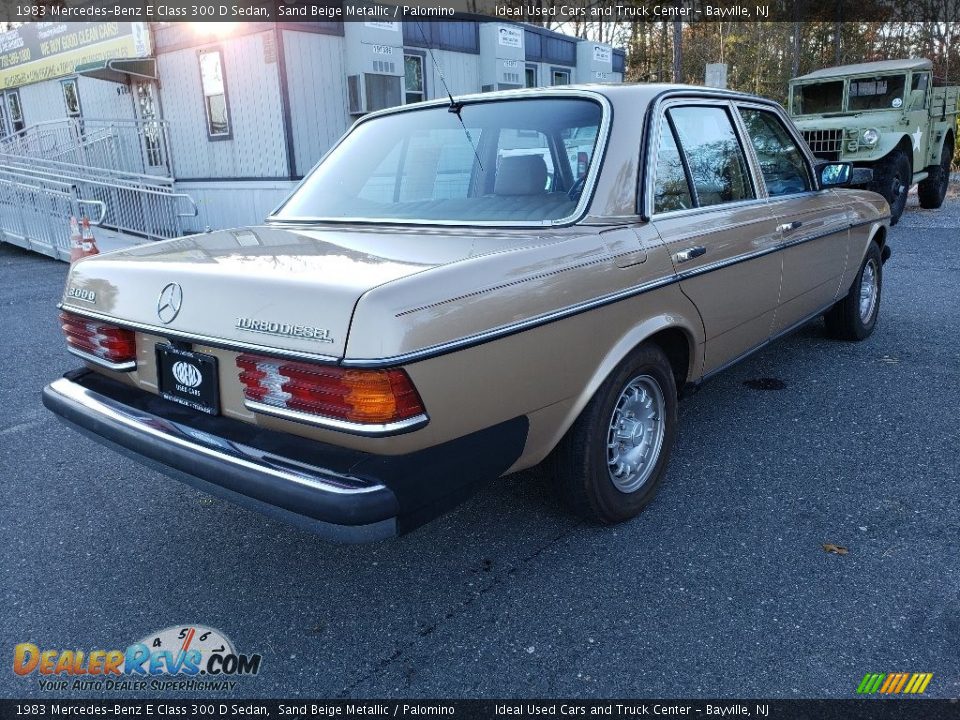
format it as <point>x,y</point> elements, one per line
<point>855,317</point>
<point>933,190</point>
<point>609,464</point>
<point>892,178</point>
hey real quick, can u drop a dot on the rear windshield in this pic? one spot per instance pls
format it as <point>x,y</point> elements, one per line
<point>818,98</point>
<point>515,161</point>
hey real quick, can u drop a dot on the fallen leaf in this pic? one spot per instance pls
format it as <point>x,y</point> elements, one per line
<point>835,549</point>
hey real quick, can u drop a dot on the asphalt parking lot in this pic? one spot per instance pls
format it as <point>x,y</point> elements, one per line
<point>721,589</point>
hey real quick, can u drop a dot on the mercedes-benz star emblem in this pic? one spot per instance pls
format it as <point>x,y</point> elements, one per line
<point>168,305</point>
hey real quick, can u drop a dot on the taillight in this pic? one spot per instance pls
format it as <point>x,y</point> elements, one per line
<point>582,161</point>
<point>98,340</point>
<point>368,397</point>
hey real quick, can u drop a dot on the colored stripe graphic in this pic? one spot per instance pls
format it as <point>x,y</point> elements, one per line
<point>901,682</point>
<point>888,682</point>
<point>870,683</point>
<point>894,683</point>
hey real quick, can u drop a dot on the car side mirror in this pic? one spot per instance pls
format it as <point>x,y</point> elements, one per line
<point>835,174</point>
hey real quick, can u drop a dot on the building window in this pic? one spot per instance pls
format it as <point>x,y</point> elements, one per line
<point>15,112</point>
<point>559,77</point>
<point>414,85</point>
<point>530,76</point>
<point>214,93</point>
<point>71,97</point>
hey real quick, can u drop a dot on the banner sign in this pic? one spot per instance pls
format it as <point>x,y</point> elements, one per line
<point>44,50</point>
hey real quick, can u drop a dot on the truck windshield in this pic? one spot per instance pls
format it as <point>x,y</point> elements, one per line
<point>815,98</point>
<point>513,161</point>
<point>876,93</point>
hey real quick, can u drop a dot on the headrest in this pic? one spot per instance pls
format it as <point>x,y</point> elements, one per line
<point>521,175</point>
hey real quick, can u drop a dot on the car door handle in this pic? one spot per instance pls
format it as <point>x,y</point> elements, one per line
<point>787,227</point>
<point>690,253</point>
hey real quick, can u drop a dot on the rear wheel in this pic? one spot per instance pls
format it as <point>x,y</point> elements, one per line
<point>855,317</point>
<point>609,464</point>
<point>892,177</point>
<point>933,190</point>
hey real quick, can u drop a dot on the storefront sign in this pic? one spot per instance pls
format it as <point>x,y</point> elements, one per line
<point>45,50</point>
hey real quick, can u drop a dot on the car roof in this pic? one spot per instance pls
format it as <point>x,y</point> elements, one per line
<point>635,95</point>
<point>869,67</point>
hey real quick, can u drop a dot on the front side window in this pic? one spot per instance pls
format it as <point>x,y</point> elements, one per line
<point>876,93</point>
<point>512,161</point>
<point>781,162</point>
<point>671,189</point>
<point>413,79</point>
<point>717,164</point>
<point>71,98</point>
<point>214,93</point>
<point>815,98</point>
<point>918,91</point>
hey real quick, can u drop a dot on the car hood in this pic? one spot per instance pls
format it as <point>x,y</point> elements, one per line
<point>291,289</point>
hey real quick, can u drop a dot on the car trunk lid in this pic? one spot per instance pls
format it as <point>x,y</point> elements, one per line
<point>289,289</point>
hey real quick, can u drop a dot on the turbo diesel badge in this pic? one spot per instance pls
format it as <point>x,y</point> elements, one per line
<point>306,332</point>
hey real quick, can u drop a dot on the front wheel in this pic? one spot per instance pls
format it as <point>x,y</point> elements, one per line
<point>609,464</point>
<point>855,317</point>
<point>933,190</point>
<point>892,178</point>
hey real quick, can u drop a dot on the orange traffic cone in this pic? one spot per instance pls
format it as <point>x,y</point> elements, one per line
<point>76,240</point>
<point>88,243</point>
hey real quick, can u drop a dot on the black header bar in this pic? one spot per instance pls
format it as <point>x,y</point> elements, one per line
<point>537,11</point>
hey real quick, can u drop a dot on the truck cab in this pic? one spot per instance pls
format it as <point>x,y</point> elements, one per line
<point>887,116</point>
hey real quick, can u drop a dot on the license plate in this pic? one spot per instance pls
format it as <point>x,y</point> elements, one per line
<point>188,378</point>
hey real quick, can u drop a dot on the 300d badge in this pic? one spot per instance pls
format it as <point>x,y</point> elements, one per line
<point>79,293</point>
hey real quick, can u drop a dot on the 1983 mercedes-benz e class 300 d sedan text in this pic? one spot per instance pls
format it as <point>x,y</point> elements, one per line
<point>464,289</point>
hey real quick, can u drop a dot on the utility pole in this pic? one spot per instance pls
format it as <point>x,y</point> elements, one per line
<point>677,51</point>
<point>795,60</point>
<point>836,40</point>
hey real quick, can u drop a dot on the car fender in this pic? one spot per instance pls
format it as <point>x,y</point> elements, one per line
<point>687,321</point>
<point>888,143</point>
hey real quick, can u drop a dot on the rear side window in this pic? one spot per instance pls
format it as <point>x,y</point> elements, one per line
<point>781,162</point>
<point>716,162</point>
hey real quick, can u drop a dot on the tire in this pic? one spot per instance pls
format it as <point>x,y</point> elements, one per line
<point>592,483</point>
<point>892,178</point>
<point>933,190</point>
<point>855,317</point>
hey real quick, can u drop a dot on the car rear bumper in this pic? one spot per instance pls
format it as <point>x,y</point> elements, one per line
<point>343,495</point>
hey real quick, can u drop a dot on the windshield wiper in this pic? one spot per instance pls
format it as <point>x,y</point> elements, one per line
<point>454,106</point>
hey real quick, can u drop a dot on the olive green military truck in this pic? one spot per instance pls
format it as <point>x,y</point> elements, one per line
<point>887,116</point>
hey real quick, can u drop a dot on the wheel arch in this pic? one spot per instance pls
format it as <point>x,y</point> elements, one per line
<point>681,340</point>
<point>950,137</point>
<point>905,145</point>
<point>879,237</point>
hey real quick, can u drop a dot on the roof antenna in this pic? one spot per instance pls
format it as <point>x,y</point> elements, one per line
<point>454,106</point>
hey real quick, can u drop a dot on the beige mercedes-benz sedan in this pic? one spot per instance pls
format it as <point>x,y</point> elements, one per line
<point>460,290</point>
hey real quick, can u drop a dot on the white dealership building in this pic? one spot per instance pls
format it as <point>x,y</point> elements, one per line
<point>161,129</point>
